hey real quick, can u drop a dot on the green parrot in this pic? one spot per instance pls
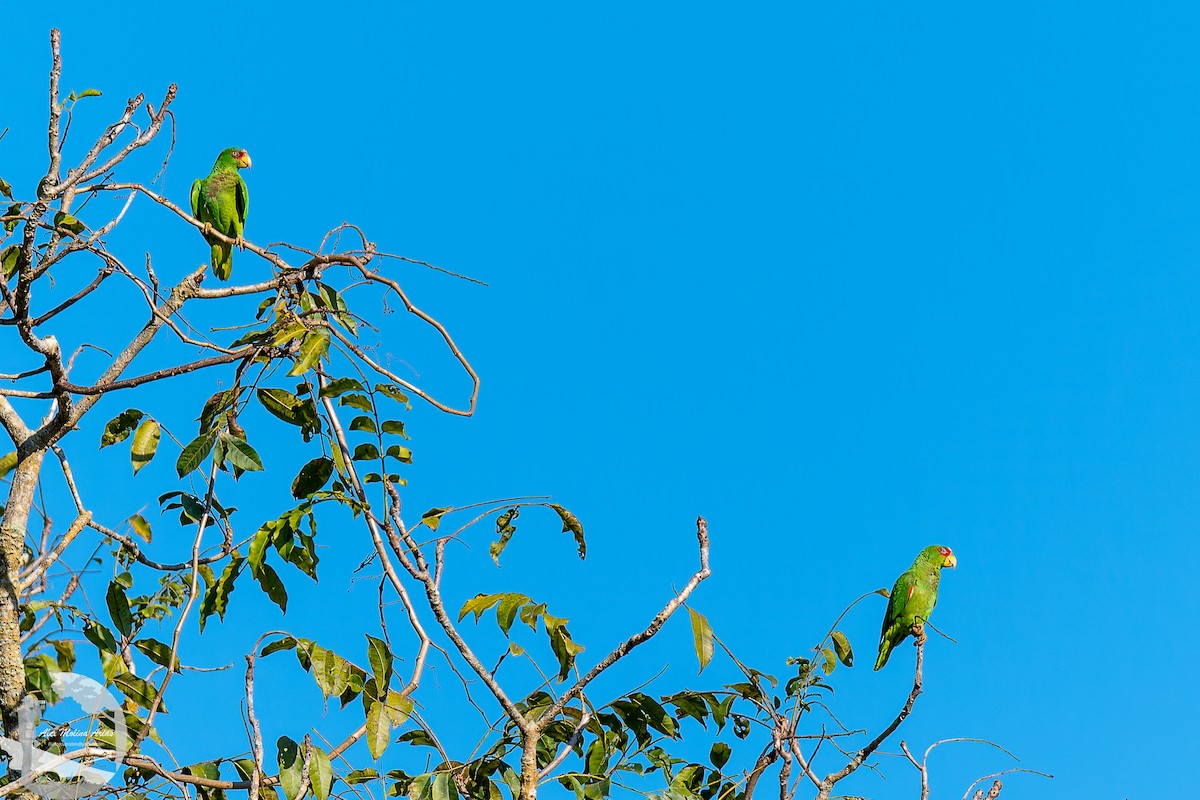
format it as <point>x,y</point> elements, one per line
<point>220,201</point>
<point>912,600</point>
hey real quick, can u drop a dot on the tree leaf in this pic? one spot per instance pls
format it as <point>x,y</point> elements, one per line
<point>719,754</point>
<point>380,658</point>
<point>10,257</point>
<point>140,526</point>
<point>401,454</point>
<point>506,611</point>
<point>241,454</point>
<point>119,427</point>
<point>139,691</point>
<point>394,426</point>
<point>433,517</point>
<point>363,423</point>
<point>320,773</point>
<point>392,392</point>
<point>314,345</point>
<point>841,646</point>
<point>571,523</point>
<point>195,452</point>
<point>341,386</point>
<point>215,406</point>
<point>67,224</point>
<point>702,637</point>
<point>100,636</point>
<point>291,767</point>
<point>6,188</point>
<point>118,608</point>
<point>830,662</point>
<point>504,530</point>
<point>286,643</point>
<point>312,477</point>
<point>269,580</point>
<point>365,452</point>
<point>145,443</point>
<point>379,729</point>
<point>157,651</point>
<point>216,599</point>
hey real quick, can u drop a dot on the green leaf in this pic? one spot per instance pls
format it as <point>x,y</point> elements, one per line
<point>841,646</point>
<point>399,707</point>
<point>9,258</point>
<point>359,401</point>
<point>64,651</point>
<point>269,580</point>
<point>341,386</point>
<point>118,608</point>
<point>291,767</point>
<point>329,670</point>
<point>241,454</point>
<point>362,775</point>
<point>6,188</point>
<point>478,604</point>
<point>392,392</point>
<point>442,787</point>
<point>394,426</point>
<point>379,729</point>
<point>119,427</point>
<point>312,477</point>
<point>139,691</point>
<point>216,599</point>
<point>140,526</point>
<point>830,662</point>
<point>504,530</point>
<point>286,643</point>
<point>702,638</point>
<point>363,423</point>
<point>14,214</point>
<point>380,657</point>
<point>571,523</point>
<point>506,612</point>
<point>433,517</point>
<point>401,454</point>
<point>281,403</point>
<point>145,443</point>
<point>314,345</point>
<point>195,452</point>
<point>157,652</point>
<point>215,406</point>
<point>719,754</point>
<point>100,636</point>
<point>88,93</point>
<point>67,224</point>
<point>320,773</point>
<point>365,452</point>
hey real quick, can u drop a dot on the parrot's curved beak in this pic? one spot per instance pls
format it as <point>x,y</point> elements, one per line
<point>950,561</point>
<point>244,161</point>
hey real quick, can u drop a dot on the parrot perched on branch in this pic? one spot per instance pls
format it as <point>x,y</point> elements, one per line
<point>220,201</point>
<point>912,600</point>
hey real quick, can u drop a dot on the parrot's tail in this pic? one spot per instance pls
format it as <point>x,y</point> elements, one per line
<point>222,260</point>
<point>885,650</point>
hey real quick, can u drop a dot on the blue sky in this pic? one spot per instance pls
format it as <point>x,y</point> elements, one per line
<point>847,281</point>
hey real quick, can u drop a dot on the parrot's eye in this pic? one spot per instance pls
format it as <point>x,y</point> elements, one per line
<point>944,551</point>
<point>239,153</point>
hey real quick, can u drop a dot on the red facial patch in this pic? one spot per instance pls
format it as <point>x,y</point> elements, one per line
<point>945,551</point>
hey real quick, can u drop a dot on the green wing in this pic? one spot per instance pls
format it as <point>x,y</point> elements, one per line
<point>197,188</point>
<point>242,203</point>
<point>896,622</point>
